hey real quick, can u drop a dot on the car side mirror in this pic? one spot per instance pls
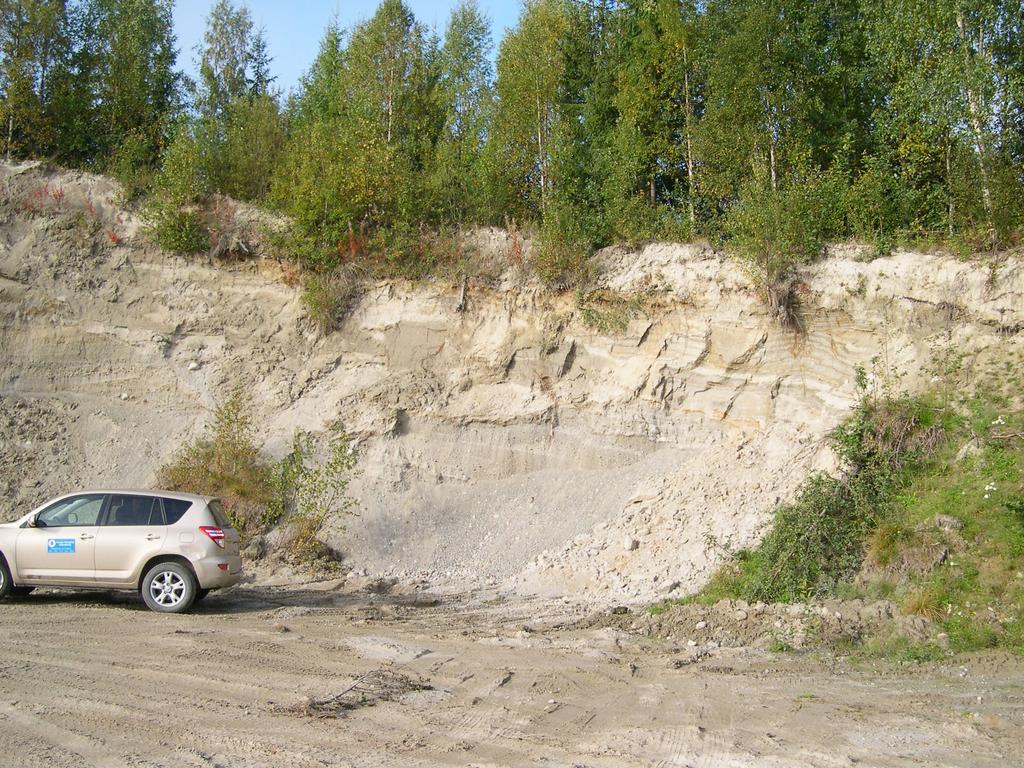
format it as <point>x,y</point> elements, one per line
<point>33,521</point>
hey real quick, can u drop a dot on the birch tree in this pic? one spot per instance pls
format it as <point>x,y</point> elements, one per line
<point>530,69</point>
<point>34,60</point>
<point>955,84</point>
<point>466,96</point>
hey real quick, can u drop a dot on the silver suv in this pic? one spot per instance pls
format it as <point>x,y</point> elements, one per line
<point>171,547</point>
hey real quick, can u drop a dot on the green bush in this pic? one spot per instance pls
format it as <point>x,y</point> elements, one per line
<point>254,137</point>
<point>818,542</point>
<point>132,163</point>
<point>874,531</point>
<point>634,219</point>
<point>313,492</point>
<point>228,463</point>
<point>567,240</point>
<point>180,230</point>
<point>878,206</point>
<point>776,231</point>
<point>181,180</point>
<point>258,493</point>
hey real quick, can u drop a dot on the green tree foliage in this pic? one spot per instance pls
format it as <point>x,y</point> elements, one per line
<point>769,126</point>
<point>953,75</point>
<point>366,124</point>
<point>582,118</point>
<point>531,66</point>
<point>34,61</point>
<point>135,86</point>
<point>778,93</point>
<point>90,82</point>
<point>234,141</point>
<point>226,57</point>
<point>459,171</point>
<point>652,181</point>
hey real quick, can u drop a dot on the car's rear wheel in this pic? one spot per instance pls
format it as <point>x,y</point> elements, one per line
<point>169,588</point>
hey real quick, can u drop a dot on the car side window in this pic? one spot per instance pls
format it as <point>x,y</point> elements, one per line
<point>73,512</point>
<point>175,509</point>
<point>134,510</point>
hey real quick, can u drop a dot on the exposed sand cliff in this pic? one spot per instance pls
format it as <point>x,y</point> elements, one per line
<point>510,444</point>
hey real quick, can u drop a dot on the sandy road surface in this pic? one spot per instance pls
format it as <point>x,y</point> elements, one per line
<point>93,680</point>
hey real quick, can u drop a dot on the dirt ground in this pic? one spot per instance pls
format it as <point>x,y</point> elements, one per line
<point>339,675</point>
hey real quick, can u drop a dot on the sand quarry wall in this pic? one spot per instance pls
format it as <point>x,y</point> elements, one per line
<point>512,444</point>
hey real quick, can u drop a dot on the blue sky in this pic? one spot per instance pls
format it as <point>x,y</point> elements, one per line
<point>294,28</point>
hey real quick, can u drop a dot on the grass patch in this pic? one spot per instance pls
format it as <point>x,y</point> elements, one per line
<point>900,649</point>
<point>608,312</point>
<point>329,298</point>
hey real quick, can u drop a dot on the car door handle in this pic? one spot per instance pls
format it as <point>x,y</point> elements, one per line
<point>152,537</point>
<point>85,536</point>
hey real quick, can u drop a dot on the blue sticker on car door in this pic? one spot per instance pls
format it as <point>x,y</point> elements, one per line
<point>60,546</point>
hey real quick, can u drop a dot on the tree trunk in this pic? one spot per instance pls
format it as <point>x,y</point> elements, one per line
<point>977,126</point>
<point>949,181</point>
<point>773,133</point>
<point>540,153</point>
<point>982,153</point>
<point>691,179</point>
<point>391,99</point>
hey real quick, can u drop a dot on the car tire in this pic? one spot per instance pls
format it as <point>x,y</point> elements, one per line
<point>169,588</point>
<point>6,585</point>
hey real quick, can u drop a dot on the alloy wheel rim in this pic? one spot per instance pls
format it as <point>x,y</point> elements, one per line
<point>167,589</point>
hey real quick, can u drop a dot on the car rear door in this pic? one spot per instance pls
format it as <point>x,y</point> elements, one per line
<point>61,549</point>
<point>132,531</point>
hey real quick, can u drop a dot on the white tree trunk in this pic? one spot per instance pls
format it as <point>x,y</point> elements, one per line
<point>977,121</point>
<point>691,178</point>
<point>541,160</point>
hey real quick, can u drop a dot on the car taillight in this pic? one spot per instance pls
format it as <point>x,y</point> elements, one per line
<point>216,534</point>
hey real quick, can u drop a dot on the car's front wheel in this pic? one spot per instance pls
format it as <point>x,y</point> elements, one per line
<point>6,586</point>
<point>169,588</point>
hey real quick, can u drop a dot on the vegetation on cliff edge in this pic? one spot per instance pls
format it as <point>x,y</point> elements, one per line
<point>769,125</point>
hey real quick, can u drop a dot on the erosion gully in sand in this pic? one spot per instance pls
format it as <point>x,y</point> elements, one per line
<point>521,468</point>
